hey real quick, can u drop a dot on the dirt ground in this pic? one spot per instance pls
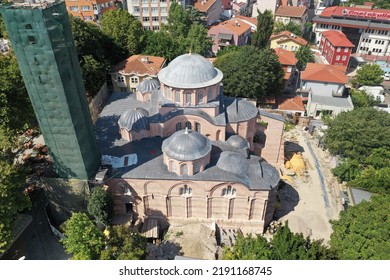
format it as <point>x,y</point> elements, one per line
<point>304,204</point>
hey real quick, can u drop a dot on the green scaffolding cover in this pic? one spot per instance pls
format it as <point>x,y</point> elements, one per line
<point>42,40</point>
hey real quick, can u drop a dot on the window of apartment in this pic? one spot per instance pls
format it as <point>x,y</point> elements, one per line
<point>145,1</point>
<point>289,68</point>
<point>345,49</point>
<point>155,9</point>
<point>147,27</point>
<point>163,1</point>
<point>120,79</point>
<point>164,19</point>
<point>87,18</point>
<point>163,9</point>
<point>337,57</point>
<point>145,10</point>
<point>178,126</point>
<point>134,80</point>
<point>85,8</point>
<point>74,8</point>
<point>338,49</point>
<point>344,58</point>
<point>145,19</point>
<point>136,9</point>
<point>156,27</point>
<point>154,18</point>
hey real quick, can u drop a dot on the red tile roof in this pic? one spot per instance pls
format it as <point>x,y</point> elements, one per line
<point>249,19</point>
<point>324,73</point>
<point>291,11</point>
<point>236,26</point>
<point>290,104</point>
<point>353,12</point>
<point>140,65</point>
<point>203,5</point>
<point>337,38</point>
<point>286,57</point>
<point>287,35</point>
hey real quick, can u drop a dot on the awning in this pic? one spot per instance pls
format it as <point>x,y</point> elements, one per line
<point>225,36</point>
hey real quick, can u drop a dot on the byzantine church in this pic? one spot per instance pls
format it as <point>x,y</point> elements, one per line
<point>182,151</point>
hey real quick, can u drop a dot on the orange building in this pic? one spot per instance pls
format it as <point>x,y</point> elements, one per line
<point>89,10</point>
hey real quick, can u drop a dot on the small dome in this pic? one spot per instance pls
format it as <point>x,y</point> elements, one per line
<point>190,71</point>
<point>238,142</point>
<point>135,120</point>
<point>148,85</point>
<point>233,162</point>
<point>186,145</point>
<point>240,110</point>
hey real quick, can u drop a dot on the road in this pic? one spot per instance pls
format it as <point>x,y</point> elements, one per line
<point>37,242</point>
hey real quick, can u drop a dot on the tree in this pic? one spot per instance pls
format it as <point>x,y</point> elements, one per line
<point>163,44</point>
<point>374,180</point>
<point>101,206</point>
<point>292,26</point>
<point>195,15</point>
<point>83,239</point>
<point>368,75</point>
<point>284,245</point>
<point>3,31</point>
<point>363,231</point>
<point>197,40</point>
<point>361,99</point>
<point>12,199</point>
<point>304,56</point>
<point>16,111</point>
<point>265,25</point>
<point>227,49</point>
<point>356,133</point>
<point>250,72</point>
<point>178,21</point>
<point>124,244</point>
<point>124,29</point>
<point>94,75</point>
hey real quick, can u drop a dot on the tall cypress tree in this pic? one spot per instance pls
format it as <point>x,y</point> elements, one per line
<point>265,25</point>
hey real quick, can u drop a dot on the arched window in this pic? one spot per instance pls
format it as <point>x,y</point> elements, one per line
<point>177,96</point>
<point>178,126</point>
<point>184,169</point>
<point>188,98</point>
<point>200,97</point>
<point>197,127</point>
<point>188,125</point>
<point>210,94</point>
<point>228,191</point>
<point>185,190</point>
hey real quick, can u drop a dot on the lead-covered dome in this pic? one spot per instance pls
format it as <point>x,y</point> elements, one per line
<point>134,120</point>
<point>148,85</point>
<point>233,162</point>
<point>238,142</point>
<point>190,71</point>
<point>186,145</point>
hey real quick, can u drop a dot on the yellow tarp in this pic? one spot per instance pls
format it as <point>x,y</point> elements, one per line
<point>296,163</point>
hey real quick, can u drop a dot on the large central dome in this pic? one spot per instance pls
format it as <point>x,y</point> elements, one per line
<point>190,71</point>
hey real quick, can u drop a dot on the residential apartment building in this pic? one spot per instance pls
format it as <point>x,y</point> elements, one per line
<point>368,29</point>
<point>89,10</point>
<point>299,15</point>
<point>323,87</point>
<point>127,75</point>
<point>287,40</point>
<point>335,47</point>
<point>289,62</point>
<point>231,32</point>
<point>262,5</point>
<point>151,13</point>
<point>211,9</point>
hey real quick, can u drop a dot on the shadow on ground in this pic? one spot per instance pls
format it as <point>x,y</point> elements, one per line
<point>288,198</point>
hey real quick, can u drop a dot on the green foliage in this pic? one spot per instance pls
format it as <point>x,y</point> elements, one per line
<point>195,16</point>
<point>178,21</point>
<point>363,231</point>
<point>83,239</point>
<point>16,112</point>
<point>250,72</point>
<point>356,133</point>
<point>94,74</point>
<point>225,50</point>
<point>101,206</point>
<point>197,40</point>
<point>265,25</point>
<point>284,245</point>
<point>163,44</point>
<point>304,56</point>
<point>361,99</point>
<point>374,180</point>
<point>124,244</point>
<point>12,199</point>
<point>3,31</point>
<point>347,170</point>
<point>124,29</point>
<point>368,75</point>
<point>292,26</point>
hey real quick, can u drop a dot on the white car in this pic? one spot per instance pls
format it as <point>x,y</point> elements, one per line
<point>386,77</point>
